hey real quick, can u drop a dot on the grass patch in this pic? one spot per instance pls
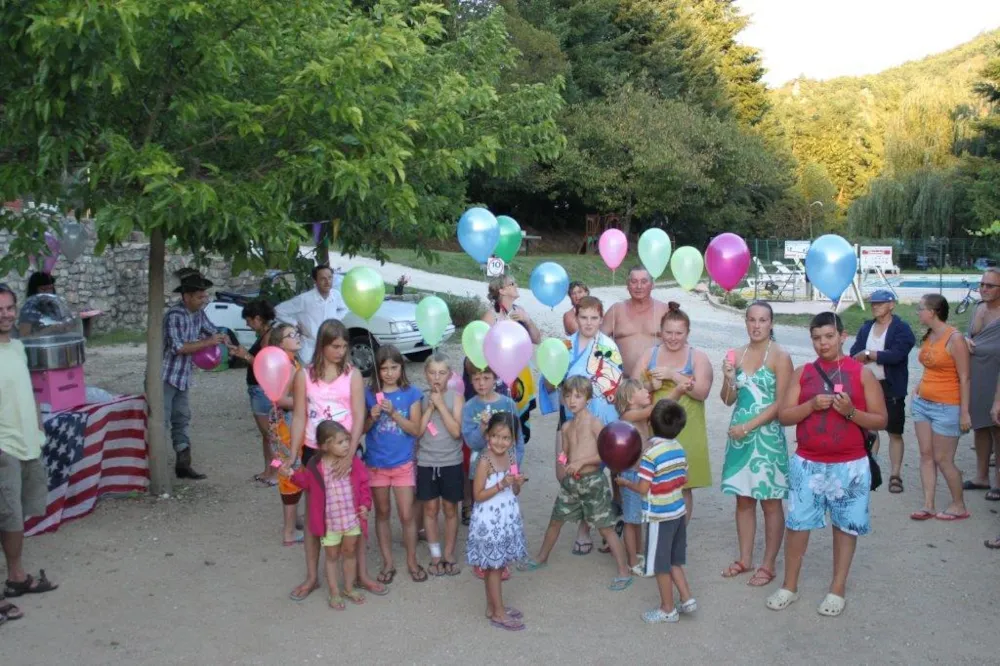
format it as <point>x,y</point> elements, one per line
<point>854,317</point>
<point>118,336</point>
<point>588,268</point>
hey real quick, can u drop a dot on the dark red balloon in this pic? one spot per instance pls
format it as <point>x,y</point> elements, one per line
<point>619,444</point>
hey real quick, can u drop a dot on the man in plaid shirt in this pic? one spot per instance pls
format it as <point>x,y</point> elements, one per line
<point>184,329</point>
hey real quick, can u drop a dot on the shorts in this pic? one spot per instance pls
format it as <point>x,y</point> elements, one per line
<point>586,498</point>
<point>334,538</point>
<point>896,408</point>
<point>447,482</point>
<point>24,491</point>
<point>260,404</point>
<point>843,489</point>
<point>944,419</point>
<point>400,476</point>
<point>631,500</point>
<point>666,545</point>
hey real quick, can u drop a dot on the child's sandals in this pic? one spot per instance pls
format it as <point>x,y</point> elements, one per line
<point>337,602</point>
<point>356,597</point>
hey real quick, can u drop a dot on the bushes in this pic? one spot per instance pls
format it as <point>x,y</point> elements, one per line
<point>464,309</point>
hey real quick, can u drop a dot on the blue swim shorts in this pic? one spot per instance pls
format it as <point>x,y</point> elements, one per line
<point>842,489</point>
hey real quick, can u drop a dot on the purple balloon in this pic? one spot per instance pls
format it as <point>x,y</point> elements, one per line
<point>317,232</point>
<point>507,348</point>
<point>208,358</point>
<point>727,259</point>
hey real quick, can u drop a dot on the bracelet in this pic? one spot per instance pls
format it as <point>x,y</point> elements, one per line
<point>850,417</point>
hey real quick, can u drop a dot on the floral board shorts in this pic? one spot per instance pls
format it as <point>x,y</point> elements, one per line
<point>631,500</point>
<point>815,488</point>
<point>586,498</point>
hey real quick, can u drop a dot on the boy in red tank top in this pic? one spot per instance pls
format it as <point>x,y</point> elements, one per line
<point>829,402</point>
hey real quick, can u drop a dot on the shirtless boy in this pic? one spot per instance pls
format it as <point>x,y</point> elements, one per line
<point>634,324</point>
<point>584,492</point>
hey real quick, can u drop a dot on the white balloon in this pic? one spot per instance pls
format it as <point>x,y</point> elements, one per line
<point>73,240</point>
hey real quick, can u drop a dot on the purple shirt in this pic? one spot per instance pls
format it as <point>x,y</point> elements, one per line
<point>181,326</point>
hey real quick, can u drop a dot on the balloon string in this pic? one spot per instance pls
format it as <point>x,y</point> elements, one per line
<point>371,345</point>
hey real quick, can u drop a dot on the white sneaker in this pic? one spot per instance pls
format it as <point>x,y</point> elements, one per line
<point>689,606</point>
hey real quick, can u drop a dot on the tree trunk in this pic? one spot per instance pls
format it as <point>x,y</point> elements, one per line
<point>159,468</point>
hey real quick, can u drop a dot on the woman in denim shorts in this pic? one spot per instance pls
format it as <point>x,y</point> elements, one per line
<point>259,316</point>
<point>940,408</point>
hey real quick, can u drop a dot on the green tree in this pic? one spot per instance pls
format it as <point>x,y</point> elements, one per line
<point>227,125</point>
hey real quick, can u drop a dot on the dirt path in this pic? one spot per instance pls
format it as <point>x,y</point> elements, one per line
<point>202,578</point>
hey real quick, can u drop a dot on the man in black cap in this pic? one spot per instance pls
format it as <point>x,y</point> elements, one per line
<point>186,331</point>
<point>884,344</point>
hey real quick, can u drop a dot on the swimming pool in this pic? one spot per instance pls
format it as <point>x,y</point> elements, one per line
<point>947,283</point>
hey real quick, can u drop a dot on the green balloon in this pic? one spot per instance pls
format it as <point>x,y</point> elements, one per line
<point>472,343</point>
<point>363,291</point>
<point>510,238</point>
<point>687,264</point>
<point>552,357</point>
<point>654,251</point>
<point>432,318</point>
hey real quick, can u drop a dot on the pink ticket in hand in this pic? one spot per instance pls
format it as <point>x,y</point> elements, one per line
<point>731,356</point>
<point>380,397</point>
<point>514,471</point>
<point>838,388</point>
<point>432,429</point>
<point>562,459</point>
<point>275,463</point>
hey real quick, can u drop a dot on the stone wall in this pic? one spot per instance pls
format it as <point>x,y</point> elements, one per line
<point>117,281</point>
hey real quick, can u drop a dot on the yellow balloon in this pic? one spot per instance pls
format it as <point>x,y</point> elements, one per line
<point>687,264</point>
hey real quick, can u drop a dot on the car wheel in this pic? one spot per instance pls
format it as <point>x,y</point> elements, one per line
<point>363,348</point>
<point>420,356</point>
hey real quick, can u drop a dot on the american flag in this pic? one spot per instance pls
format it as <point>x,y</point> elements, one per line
<point>91,451</point>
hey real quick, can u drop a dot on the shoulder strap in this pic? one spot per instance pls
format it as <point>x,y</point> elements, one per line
<point>826,378</point>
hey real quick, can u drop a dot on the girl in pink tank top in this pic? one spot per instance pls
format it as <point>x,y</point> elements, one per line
<point>328,401</point>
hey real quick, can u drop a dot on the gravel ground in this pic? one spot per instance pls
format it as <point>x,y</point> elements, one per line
<point>202,577</point>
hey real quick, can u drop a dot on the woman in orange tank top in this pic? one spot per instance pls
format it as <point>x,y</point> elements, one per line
<point>941,407</point>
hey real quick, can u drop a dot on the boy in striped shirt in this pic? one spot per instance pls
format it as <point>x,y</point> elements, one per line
<point>662,475</point>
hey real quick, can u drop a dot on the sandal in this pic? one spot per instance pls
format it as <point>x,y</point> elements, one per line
<point>972,485</point>
<point>29,585</point>
<point>337,602</point>
<point>620,583</point>
<point>992,544</point>
<point>480,573</point>
<point>377,591</point>
<point>356,597</point>
<point>466,515</point>
<point>530,565</point>
<point>300,593</point>
<point>10,612</point>
<point>434,568</point>
<point>582,548</point>
<point>923,514</point>
<point>418,576</point>
<point>386,576</point>
<point>992,495</point>
<point>450,568</point>
<point>735,569</point>
<point>510,624</point>
<point>949,516</point>
<point>605,548</point>
<point>895,485</point>
<point>782,599</point>
<point>299,538</point>
<point>263,481</point>
<point>763,576</point>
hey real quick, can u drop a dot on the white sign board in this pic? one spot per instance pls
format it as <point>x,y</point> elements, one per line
<point>494,267</point>
<point>876,256</point>
<point>796,249</point>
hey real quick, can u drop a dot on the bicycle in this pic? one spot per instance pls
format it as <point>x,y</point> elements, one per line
<point>969,299</point>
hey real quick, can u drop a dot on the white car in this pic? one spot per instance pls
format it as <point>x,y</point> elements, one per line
<point>395,323</point>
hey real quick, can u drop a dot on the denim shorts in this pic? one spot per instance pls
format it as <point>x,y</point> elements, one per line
<point>842,489</point>
<point>260,404</point>
<point>631,500</point>
<point>943,418</point>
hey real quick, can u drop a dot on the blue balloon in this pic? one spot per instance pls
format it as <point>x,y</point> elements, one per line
<point>549,283</point>
<point>478,233</point>
<point>831,265</point>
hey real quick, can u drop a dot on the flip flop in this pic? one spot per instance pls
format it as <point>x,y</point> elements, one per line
<point>923,514</point>
<point>10,612</point>
<point>299,538</point>
<point>355,597</point>
<point>992,495</point>
<point>992,544</point>
<point>419,576</point>
<point>582,548</point>
<point>620,583</point>
<point>300,596</point>
<point>530,565</point>
<point>450,568</point>
<point>264,483</point>
<point>386,576</point>
<point>337,603</point>
<point>513,624</point>
<point>377,591</point>
<point>949,516</point>
<point>971,485</point>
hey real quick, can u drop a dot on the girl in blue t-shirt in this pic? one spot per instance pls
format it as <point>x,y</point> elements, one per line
<point>393,425</point>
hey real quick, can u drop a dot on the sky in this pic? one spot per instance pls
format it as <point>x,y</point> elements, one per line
<point>823,39</point>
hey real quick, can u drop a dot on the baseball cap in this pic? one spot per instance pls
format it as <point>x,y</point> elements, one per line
<point>882,296</point>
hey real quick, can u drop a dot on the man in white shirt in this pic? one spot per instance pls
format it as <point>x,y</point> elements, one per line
<point>307,311</point>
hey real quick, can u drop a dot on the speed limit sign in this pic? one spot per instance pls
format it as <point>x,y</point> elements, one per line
<point>494,267</point>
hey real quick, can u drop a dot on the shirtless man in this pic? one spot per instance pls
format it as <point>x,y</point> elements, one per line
<point>585,493</point>
<point>635,324</point>
<point>984,366</point>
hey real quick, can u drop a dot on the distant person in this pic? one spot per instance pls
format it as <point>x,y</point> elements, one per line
<point>577,290</point>
<point>635,324</point>
<point>309,310</point>
<point>984,345</point>
<point>40,283</point>
<point>259,317</point>
<point>883,344</point>
<point>32,311</point>
<point>994,544</point>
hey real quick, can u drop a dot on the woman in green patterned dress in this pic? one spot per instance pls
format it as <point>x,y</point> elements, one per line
<point>756,464</point>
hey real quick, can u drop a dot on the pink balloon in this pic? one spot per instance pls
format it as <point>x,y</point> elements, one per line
<point>507,348</point>
<point>273,370</point>
<point>727,260</point>
<point>613,246</point>
<point>52,241</point>
<point>208,358</point>
<point>456,384</point>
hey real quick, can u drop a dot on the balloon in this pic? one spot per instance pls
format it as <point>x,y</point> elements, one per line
<point>273,370</point>
<point>553,360</point>
<point>73,241</point>
<point>686,264</point>
<point>549,283</point>
<point>619,445</point>
<point>507,348</point>
<point>363,290</point>
<point>478,233</point>
<point>317,232</point>
<point>613,246</point>
<point>654,251</point>
<point>207,358</point>
<point>831,265</point>
<point>49,258</point>
<point>727,259</point>
<point>456,384</point>
<point>432,318</point>
<point>49,264</point>
<point>510,238</point>
<point>473,338</point>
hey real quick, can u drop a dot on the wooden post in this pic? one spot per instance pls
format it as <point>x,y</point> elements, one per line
<point>160,481</point>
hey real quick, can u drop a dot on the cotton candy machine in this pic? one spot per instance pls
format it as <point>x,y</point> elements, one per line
<point>53,340</point>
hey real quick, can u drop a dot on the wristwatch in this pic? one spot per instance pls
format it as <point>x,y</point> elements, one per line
<point>868,355</point>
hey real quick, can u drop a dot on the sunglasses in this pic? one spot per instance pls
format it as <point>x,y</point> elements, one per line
<point>987,285</point>
<point>294,335</point>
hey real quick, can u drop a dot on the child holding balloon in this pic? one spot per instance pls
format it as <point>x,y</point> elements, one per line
<point>285,338</point>
<point>393,424</point>
<point>634,406</point>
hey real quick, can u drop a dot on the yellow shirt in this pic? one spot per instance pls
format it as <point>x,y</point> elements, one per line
<point>19,433</point>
